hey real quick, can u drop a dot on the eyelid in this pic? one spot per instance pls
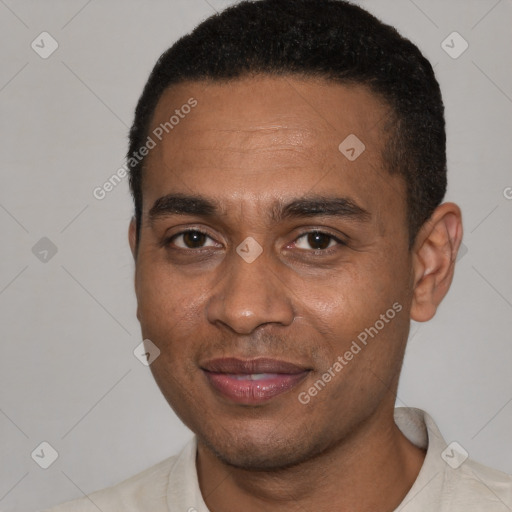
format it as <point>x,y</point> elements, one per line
<point>321,231</point>
<point>167,240</point>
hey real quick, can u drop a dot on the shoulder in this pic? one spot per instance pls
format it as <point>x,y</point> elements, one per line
<point>449,480</point>
<point>478,487</point>
<point>145,490</point>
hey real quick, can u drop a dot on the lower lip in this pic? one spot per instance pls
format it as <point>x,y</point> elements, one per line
<point>253,391</point>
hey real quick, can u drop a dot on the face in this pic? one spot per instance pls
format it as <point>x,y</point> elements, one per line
<point>266,256</point>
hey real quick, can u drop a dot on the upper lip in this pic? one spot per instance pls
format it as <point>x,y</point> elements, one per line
<point>233,365</point>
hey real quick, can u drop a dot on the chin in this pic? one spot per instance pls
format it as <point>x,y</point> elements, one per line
<point>263,453</point>
<point>264,459</point>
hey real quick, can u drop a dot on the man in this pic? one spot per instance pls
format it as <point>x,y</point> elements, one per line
<point>288,168</point>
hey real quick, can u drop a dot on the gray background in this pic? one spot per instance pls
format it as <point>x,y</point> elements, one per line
<point>68,373</point>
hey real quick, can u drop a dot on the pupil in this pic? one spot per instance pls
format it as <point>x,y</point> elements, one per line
<point>193,239</point>
<point>319,239</point>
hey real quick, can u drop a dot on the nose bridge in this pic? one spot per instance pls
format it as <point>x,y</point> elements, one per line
<point>249,295</point>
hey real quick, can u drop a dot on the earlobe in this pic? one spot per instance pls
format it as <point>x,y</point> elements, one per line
<point>434,256</point>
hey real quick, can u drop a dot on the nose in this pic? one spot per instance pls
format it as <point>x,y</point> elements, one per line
<point>250,295</point>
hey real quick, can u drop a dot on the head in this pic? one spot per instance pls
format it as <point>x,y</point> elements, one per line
<point>309,136</point>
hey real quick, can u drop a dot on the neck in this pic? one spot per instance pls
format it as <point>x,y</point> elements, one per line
<point>372,470</point>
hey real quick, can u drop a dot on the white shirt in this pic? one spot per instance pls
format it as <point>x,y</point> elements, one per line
<point>447,481</point>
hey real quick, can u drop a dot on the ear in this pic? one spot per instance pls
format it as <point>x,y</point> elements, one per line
<point>132,238</point>
<point>434,254</point>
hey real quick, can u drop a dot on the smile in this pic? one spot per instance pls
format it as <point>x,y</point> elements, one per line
<point>252,382</point>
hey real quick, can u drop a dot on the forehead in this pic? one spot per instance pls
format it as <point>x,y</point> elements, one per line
<point>264,105</point>
<point>248,137</point>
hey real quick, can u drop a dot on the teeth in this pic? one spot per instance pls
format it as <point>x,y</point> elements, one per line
<point>256,376</point>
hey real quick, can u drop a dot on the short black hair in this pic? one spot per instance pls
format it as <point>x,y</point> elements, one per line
<point>333,40</point>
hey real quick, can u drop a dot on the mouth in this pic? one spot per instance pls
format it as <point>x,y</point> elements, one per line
<point>252,381</point>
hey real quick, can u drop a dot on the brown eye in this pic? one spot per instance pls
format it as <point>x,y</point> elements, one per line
<point>317,241</point>
<point>192,239</point>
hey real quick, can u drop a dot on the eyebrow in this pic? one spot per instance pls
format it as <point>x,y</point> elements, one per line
<point>307,206</point>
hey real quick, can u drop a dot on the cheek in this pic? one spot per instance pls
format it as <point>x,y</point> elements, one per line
<point>169,316</point>
<point>168,306</point>
<point>353,300</point>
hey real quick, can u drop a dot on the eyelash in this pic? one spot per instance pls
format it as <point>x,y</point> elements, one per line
<point>167,242</point>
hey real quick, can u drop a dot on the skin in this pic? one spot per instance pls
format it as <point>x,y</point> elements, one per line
<point>249,145</point>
